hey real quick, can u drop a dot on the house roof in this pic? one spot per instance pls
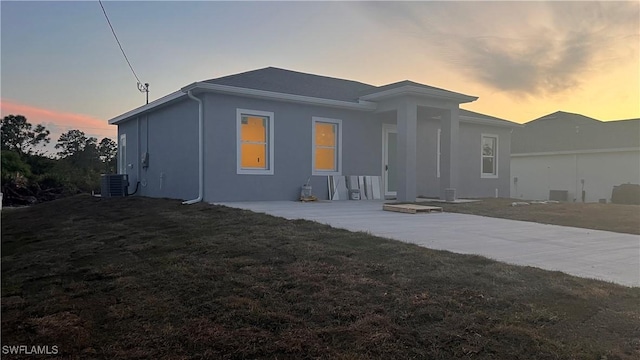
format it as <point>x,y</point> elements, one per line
<point>472,115</point>
<point>407,86</point>
<point>295,83</point>
<point>567,132</point>
<point>324,87</point>
<point>286,85</point>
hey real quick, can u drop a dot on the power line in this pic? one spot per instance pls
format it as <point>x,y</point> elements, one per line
<point>141,87</point>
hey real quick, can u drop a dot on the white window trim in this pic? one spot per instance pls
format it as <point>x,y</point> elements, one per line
<point>270,141</point>
<point>338,122</point>
<point>495,156</point>
<point>438,153</point>
<point>122,155</point>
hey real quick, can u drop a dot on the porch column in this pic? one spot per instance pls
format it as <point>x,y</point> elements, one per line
<point>407,120</point>
<point>449,161</point>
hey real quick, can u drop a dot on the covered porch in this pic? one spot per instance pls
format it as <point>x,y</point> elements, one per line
<point>410,103</point>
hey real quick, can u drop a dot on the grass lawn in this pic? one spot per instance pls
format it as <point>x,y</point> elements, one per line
<point>610,217</point>
<point>138,278</point>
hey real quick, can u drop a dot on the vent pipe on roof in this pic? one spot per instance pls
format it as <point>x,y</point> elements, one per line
<point>200,152</point>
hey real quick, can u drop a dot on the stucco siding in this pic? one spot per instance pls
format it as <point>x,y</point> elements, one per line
<point>427,147</point>
<point>170,137</point>
<point>361,149</point>
<point>471,182</point>
<point>538,174</point>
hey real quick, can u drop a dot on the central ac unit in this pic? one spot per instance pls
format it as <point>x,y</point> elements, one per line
<point>114,185</point>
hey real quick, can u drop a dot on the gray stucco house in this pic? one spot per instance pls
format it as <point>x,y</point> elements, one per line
<point>259,135</point>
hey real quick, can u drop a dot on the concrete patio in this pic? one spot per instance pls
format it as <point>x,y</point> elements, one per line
<point>586,253</point>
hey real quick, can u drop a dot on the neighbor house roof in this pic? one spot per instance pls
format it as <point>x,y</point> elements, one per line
<point>569,132</point>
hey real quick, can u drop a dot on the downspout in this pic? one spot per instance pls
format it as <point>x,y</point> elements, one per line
<point>200,153</point>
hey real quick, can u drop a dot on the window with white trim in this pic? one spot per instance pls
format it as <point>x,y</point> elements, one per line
<point>254,142</point>
<point>327,146</point>
<point>489,164</point>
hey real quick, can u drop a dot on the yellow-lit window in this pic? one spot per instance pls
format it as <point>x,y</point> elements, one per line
<point>326,145</point>
<point>253,138</point>
<point>254,142</point>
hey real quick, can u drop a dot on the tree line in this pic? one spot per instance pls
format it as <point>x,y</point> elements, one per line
<point>30,175</point>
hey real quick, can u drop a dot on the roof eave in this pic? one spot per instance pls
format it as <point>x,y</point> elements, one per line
<point>415,90</point>
<point>154,104</point>
<point>271,95</point>
<point>575,151</point>
<point>492,122</point>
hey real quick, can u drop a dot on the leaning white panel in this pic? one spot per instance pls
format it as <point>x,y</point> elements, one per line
<point>376,187</point>
<point>363,192</point>
<point>341,187</point>
<point>331,187</point>
<point>369,185</point>
<point>353,183</point>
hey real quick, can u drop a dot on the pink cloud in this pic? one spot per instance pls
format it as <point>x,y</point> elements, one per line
<point>58,121</point>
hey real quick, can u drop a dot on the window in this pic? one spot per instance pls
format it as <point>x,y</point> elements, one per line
<point>255,142</point>
<point>489,156</point>
<point>327,146</point>
<point>122,159</point>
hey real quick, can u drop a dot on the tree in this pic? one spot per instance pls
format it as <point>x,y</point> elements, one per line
<point>75,142</point>
<point>19,135</point>
<point>107,151</point>
<point>13,164</point>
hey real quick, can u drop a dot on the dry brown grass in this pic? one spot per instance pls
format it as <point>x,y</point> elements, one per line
<point>138,278</point>
<point>610,217</point>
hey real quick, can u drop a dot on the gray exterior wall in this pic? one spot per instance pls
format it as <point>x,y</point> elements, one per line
<point>361,149</point>
<point>427,158</point>
<point>471,182</point>
<point>170,136</point>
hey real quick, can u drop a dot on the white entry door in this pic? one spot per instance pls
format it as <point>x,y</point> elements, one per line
<point>389,159</point>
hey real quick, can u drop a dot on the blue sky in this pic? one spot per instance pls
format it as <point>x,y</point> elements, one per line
<point>61,65</point>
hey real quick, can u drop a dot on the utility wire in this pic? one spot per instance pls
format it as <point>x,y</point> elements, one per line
<point>118,41</point>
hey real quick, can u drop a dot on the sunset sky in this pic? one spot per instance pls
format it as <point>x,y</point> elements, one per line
<point>62,67</point>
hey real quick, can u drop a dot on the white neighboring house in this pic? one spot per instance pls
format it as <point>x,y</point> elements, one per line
<point>574,155</point>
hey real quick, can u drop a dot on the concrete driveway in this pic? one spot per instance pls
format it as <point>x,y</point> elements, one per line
<point>587,253</point>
